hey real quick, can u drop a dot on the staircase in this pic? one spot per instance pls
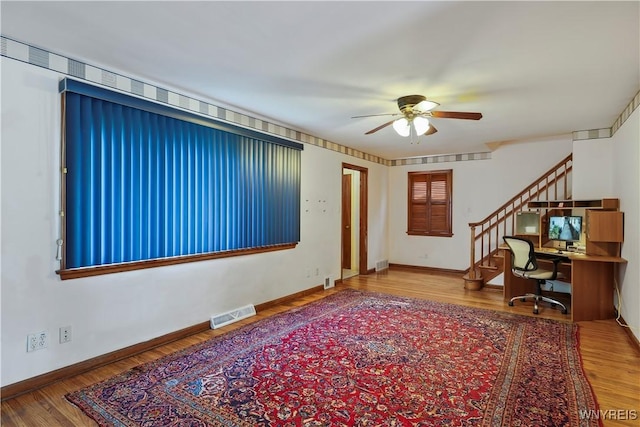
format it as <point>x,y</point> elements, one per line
<point>486,235</point>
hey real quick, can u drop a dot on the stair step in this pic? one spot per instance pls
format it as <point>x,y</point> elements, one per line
<point>489,272</point>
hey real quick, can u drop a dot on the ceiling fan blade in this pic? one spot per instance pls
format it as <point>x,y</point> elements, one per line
<point>430,131</point>
<point>379,127</point>
<point>376,115</point>
<point>456,115</point>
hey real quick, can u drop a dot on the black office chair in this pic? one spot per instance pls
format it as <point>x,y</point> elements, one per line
<point>524,264</point>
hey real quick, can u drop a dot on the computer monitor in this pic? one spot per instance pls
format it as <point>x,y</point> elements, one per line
<point>565,228</point>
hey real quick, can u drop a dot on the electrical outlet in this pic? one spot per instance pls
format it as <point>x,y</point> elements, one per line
<point>65,334</point>
<point>43,340</point>
<point>32,342</point>
<point>37,341</point>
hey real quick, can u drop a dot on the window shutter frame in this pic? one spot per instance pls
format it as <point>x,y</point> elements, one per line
<point>428,215</point>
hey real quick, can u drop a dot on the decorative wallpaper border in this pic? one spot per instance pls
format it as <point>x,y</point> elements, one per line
<point>42,58</point>
<point>591,134</point>
<point>635,102</point>
<point>23,52</point>
<point>440,159</point>
<point>609,132</point>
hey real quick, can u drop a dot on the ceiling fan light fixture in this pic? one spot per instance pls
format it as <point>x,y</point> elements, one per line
<point>426,105</point>
<point>416,109</point>
<point>402,126</point>
<point>421,124</point>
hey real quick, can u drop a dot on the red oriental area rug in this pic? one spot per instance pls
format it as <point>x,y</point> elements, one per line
<point>360,359</point>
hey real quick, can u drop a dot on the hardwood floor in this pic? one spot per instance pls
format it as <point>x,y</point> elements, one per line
<point>611,361</point>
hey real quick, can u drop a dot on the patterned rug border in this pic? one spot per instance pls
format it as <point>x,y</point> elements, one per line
<point>334,302</point>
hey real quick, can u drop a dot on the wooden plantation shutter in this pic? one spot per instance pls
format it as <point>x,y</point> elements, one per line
<point>429,204</point>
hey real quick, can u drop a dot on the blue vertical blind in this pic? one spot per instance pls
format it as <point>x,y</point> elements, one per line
<point>142,185</point>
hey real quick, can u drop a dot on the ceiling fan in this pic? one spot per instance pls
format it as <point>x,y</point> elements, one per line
<point>416,110</point>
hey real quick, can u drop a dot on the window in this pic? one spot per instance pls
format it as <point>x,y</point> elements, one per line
<point>146,185</point>
<point>429,206</point>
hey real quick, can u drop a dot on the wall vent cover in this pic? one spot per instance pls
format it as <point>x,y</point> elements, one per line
<point>223,319</point>
<point>382,265</point>
<point>329,282</point>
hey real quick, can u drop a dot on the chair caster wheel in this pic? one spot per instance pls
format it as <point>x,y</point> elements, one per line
<point>535,311</point>
<point>523,299</point>
<point>510,303</point>
<point>553,305</point>
<point>564,311</point>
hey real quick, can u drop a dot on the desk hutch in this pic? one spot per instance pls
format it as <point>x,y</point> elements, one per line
<point>591,271</point>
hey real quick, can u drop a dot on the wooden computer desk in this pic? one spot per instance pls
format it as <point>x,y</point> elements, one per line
<point>592,279</point>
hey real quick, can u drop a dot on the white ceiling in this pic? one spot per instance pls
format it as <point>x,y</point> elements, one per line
<point>533,69</point>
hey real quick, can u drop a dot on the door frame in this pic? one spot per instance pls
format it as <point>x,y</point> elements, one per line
<point>363,220</point>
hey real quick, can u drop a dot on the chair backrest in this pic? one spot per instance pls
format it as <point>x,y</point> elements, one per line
<point>522,253</point>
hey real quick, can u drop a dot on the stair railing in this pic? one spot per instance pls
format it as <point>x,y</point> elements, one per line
<point>486,234</point>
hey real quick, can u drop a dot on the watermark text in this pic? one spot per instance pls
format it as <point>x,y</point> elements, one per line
<point>609,414</point>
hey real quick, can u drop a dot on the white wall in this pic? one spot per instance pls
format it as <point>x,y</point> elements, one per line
<point>114,311</point>
<point>609,167</point>
<point>479,187</point>
<point>593,169</point>
<point>377,213</point>
<point>626,182</point>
